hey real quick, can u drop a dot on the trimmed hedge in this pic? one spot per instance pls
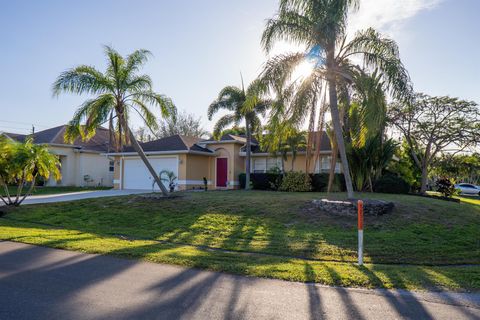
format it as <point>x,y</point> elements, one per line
<point>262,181</point>
<point>272,181</point>
<point>390,183</point>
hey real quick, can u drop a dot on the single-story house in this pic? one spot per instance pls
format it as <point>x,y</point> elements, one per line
<point>220,162</point>
<point>83,163</point>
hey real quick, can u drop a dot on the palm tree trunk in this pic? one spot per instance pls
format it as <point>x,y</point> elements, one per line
<point>144,158</point>
<point>249,151</point>
<point>337,127</point>
<point>7,193</point>
<point>333,162</point>
<point>28,192</point>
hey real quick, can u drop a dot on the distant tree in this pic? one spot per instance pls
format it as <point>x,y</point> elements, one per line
<point>143,134</point>
<point>462,167</point>
<point>404,166</point>
<point>431,125</point>
<point>185,124</point>
<point>235,130</point>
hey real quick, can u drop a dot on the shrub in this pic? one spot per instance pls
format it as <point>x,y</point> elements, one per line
<point>320,182</point>
<point>296,182</point>
<point>391,183</point>
<point>262,181</point>
<point>241,180</point>
<point>446,187</point>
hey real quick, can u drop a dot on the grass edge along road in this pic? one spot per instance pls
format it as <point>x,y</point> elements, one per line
<point>459,278</point>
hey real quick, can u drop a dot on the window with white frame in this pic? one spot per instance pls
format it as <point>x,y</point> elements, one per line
<point>259,165</point>
<point>264,164</point>
<point>274,163</point>
<point>111,166</point>
<point>323,165</point>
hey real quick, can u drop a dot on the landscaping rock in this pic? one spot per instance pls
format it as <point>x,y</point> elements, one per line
<point>349,207</point>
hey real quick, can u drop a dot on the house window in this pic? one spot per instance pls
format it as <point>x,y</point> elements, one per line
<point>274,163</point>
<point>111,166</point>
<point>262,165</point>
<point>323,165</point>
<point>259,165</point>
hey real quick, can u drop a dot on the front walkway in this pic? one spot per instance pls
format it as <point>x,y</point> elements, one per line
<point>44,283</point>
<point>71,196</point>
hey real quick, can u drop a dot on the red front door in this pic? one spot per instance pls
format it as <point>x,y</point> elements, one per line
<point>222,172</point>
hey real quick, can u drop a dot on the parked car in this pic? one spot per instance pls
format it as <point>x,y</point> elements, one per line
<point>467,188</point>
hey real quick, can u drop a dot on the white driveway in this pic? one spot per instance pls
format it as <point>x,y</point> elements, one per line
<point>71,196</point>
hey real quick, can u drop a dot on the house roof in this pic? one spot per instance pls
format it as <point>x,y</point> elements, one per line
<point>55,136</point>
<point>231,138</point>
<point>173,143</point>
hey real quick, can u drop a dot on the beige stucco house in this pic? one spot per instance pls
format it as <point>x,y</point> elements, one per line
<point>82,163</point>
<point>220,162</point>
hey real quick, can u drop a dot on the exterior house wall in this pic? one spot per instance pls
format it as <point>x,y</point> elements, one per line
<point>75,165</point>
<point>96,167</point>
<point>198,167</point>
<point>299,163</point>
<point>68,168</point>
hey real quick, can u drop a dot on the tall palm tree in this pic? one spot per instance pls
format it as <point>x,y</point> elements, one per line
<point>320,25</point>
<point>244,105</point>
<point>118,92</point>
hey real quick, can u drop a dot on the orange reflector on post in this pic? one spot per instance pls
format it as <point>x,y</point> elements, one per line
<point>360,232</point>
<point>360,214</point>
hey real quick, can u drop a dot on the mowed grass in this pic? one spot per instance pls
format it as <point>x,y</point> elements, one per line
<point>424,243</point>
<point>51,190</point>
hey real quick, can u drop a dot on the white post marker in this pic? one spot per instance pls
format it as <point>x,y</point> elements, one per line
<point>360,232</point>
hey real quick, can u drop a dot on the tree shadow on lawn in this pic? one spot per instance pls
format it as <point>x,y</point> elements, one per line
<point>191,287</point>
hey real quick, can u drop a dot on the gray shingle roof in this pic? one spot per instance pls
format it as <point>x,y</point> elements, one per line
<point>99,142</point>
<point>172,143</point>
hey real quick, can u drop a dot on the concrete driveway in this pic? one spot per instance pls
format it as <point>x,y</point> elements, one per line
<point>71,196</point>
<point>44,283</point>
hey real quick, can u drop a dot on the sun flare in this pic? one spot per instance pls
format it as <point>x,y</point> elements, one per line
<point>303,70</point>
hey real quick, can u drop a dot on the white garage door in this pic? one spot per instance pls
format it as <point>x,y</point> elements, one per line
<point>137,176</point>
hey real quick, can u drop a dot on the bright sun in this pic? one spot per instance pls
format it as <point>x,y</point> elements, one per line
<point>303,70</point>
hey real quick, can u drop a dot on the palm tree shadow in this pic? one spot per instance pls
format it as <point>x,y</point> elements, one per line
<point>406,304</point>
<point>314,300</point>
<point>54,278</point>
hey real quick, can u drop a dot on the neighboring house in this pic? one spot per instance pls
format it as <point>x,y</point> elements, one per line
<point>220,162</point>
<point>82,163</point>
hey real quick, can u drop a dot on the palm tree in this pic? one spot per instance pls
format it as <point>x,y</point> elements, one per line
<point>118,92</point>
<point>294,142</point>
<point>367,114</point>
<point>22,163</point>
<point>244,105</point>
<point>320,25</point>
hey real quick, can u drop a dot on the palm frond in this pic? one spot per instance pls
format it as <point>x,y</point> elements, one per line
<point>80,80</point>
<point>382,53</point>
<point>224,122</point>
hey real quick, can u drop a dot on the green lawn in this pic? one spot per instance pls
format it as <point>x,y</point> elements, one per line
<point>53,190</point>
<point>424,243</point>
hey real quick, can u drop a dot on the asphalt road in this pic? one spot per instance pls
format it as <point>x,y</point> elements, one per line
<point>43,283</point>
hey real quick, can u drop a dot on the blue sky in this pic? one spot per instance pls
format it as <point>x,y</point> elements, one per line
<point>201,46</point>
